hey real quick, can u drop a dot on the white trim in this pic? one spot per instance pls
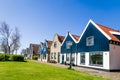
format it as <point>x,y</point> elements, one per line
<point>87,43</point>
<point>41,45</point>
<point>70,36</point>
<point>64,39</point>
<point>90,21</point>
<point>73,38</point>
<point>113,32</point>
<point>46,43</point>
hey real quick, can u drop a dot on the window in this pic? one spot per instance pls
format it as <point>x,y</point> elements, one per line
<point>67,57</point>
<point>90,41</point>
<point>73,57</point>
<point>44,49</point>
<point>96,58</point>
<point>51,55</point>
<point>54,55</point>
<point>68,44</point>
<point>55,44</point>
<point>44,56</point>
<point>82,58</point>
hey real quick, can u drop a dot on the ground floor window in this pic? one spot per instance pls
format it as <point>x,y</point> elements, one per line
<point>96,58</point>
<point>67,57</point>
<point>82,58</point>
<point>51,55</point>
<point>44,56</point>
<point>55,55</point>
<point>73,57</point>
<point>39,55</point>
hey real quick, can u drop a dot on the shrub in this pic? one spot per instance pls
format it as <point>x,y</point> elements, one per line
<point>52,61</point>
<point>35,57</point>
<point>17,58</point>
<point>7,57</point>
<point>2,57</point>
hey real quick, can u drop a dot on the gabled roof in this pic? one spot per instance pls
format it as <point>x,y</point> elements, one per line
<point>49,43</point>
<point>74,37</point>
<point>107,32</point>
<point>35,47</point>
<point>61,38</point>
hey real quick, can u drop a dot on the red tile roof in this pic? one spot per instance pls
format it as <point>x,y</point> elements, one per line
<point>61,38</point>
<point>76,37</point>
<point>49,43</point>
<point>107,31</point>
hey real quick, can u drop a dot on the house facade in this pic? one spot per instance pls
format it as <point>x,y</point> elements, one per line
<point>33,49</point>
<point>66,50</point>
<point>45,51</point>
<point>40,51</point>
<point>55,52</point>
<point>99,47</point>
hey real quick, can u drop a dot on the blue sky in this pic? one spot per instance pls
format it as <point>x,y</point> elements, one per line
<point>38,20</point>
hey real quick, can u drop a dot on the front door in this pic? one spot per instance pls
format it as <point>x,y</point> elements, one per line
<point>62,59</point>
<point>58,57</point>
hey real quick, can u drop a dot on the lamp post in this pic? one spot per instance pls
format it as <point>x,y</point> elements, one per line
<point>69,46</point>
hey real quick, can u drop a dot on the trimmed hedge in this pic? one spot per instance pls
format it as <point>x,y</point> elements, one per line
<point>7,57</point>
<point>4,57</point>
<point>17,58</point>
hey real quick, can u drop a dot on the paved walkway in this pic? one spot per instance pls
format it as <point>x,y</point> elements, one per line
<point>110,75</point>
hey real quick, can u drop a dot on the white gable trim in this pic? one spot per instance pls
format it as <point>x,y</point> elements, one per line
<point>46,43</point>
<point>41,45</point>
<point>73,38</point>
<point>90,21</point>
<point>70,36</point>
<point>64,39</point>
<point>116,33</point>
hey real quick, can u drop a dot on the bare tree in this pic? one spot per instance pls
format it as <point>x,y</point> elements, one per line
<point>15,40</point>
<point>10,40</point>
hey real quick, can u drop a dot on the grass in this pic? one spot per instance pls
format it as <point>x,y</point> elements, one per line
<point>38,71</point>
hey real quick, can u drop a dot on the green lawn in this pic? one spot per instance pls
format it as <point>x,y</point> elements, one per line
<point>38,71</point>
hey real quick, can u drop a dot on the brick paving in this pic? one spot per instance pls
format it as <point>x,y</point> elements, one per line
<point>110,75</point>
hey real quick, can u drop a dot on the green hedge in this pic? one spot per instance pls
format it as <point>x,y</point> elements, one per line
<point>7,57</point>
<point>17,58</point>
<point>4,57</point>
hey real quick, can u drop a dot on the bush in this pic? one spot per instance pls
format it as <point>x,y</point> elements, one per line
<point>35,57</point>
<point>52,61</point>
<point>17,58</point>
<point>7,57</point>
<point>4,57</point>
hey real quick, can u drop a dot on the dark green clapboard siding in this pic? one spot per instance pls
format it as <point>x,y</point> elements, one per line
<point>101,43</point>
<point>63,47</point>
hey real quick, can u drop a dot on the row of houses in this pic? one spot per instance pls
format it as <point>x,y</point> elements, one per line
<point>97,47</point>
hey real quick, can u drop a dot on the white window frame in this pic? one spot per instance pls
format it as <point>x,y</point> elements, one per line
<point>92,41</point>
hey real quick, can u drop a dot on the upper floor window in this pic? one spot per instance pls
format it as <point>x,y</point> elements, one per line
<point>68,44</point>
<point>55,44</point>
<point>90,41</point>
